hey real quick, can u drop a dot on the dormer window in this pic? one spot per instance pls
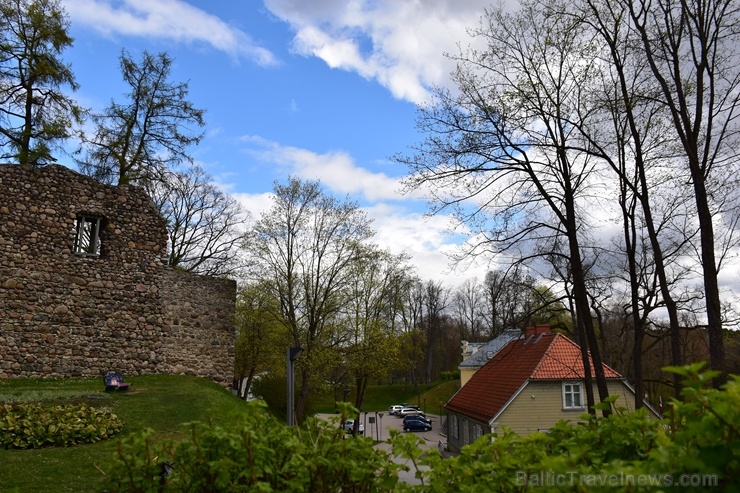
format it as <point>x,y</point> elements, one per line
<point>87,235</point>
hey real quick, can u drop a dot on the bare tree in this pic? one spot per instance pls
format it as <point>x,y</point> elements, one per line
<point>204,225</point>
<point>511,300</point>
<point>436,298</point>
<point>647,155</point>
<point>304,248</point>
<point>412,320</point>
<point>504,147</point>
<point>468,305</point>
<point>137,141</point>
<point>35,114</point>
<point>692,48</point>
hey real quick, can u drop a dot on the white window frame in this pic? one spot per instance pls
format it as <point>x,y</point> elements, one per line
<point>454,426</point>
<point>477,431</point>
<point>87,235</point>
<point>573,395</point>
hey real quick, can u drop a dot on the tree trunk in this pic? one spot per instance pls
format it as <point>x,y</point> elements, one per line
<point>583,309</point>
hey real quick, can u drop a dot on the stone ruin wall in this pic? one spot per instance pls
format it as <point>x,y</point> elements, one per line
<point>66,315</point>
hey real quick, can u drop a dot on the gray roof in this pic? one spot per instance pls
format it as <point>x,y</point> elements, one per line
<point>489,349</point>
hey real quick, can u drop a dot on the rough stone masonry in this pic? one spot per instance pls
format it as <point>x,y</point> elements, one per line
<point>85,289</point>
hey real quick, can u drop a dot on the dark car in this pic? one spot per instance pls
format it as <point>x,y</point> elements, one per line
<point>414,417</point>
<point>416,425</point>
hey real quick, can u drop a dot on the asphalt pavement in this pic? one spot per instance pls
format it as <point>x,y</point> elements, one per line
<point>377,426</point>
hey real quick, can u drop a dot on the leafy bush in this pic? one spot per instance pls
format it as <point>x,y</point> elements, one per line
<point>449,375</point>
<point>697,447</point>
<point>24,426</point>
<point>254,453</point>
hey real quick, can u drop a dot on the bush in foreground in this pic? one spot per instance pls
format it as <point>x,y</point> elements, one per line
<point>697,448</point>
<point>254,453</point>
<point>24,426</point>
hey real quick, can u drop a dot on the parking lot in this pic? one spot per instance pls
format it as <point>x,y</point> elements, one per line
<point>384,422</point>
<point>378,424</point>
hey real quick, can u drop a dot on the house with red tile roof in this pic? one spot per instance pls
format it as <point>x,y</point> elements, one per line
<point>475,355</point>
<point>528,386</point>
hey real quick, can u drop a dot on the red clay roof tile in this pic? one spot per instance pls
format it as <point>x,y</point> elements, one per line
<point>550,356</point>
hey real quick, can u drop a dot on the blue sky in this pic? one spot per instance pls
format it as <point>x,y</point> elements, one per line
<point>319,89</point>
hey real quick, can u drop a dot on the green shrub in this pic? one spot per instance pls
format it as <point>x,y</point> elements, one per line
<point>254,453</point>
<point>449,375</point>
<point>697,448</point>
<point>24,426</point>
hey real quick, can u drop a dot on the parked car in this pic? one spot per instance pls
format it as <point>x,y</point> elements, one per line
<point>349,426</point>
<point>406,411</point>
<point>416,417</point>
<point>416,425</point>
<point>395,408</point>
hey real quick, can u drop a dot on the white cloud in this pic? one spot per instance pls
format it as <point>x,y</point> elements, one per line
<point>256,203</point>
<point>399,44</point>
<point>425,239</point>
<point>335,169</point>
<point>399,228</point>
<point>166,19</point>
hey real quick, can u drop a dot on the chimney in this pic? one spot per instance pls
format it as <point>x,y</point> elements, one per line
<point>537,330</point>
<point>465,353</point>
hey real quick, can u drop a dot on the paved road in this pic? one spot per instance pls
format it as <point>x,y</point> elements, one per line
<point>379,430</point>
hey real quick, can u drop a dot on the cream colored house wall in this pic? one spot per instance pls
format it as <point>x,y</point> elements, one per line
<point>465,375</point>
<point>540,405</point>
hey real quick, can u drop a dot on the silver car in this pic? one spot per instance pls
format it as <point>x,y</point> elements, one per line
<point>410,411</point>
<point>349,426</point>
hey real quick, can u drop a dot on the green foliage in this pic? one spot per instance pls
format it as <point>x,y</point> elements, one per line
<point>25,426</point>
<point>697,447</point>
<point>255,452</point>
<point>450,375</point>
<point>164,403</point>
<point>377,397</point>
<point>138,140</point>
<point>35,113</point>
<point>261,339</point>
<point>273,390</point>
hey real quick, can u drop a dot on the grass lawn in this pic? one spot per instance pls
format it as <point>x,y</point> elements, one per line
<point>380,397</point>
<point>164,403</point>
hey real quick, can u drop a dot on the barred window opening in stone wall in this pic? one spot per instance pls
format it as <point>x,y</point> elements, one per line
<point>87,237</point>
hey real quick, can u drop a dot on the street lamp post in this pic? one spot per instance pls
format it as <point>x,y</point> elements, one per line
<point>292,355</point>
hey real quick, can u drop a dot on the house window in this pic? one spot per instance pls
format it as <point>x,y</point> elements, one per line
<point>572,396</point>
<point>87,235</point>
<point>477,432</point>
<point>454,426</point>
<point>466,432</point>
